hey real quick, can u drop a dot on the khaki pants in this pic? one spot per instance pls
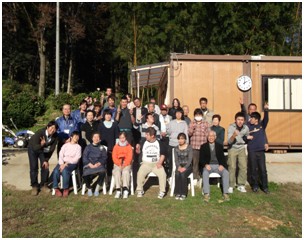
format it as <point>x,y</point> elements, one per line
<point>233,156</point>
<point>145,169</point>
<point>123,174</point>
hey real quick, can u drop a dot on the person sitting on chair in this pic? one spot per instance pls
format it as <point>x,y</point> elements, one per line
<point>69,156</point>
<point>212,159</point>
<point>153,156</point>
<point>122,158</point>
<point>94,163</point>
<point>183,158</point>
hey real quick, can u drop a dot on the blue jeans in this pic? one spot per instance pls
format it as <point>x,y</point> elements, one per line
<point>66,174</point>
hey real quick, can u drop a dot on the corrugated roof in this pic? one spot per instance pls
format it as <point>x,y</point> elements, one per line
<point>149,74</point>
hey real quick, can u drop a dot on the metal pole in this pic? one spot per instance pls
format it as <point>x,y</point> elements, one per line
<point>57,51</point>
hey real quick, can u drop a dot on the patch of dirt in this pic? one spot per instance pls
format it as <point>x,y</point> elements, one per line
<point>261,222</point>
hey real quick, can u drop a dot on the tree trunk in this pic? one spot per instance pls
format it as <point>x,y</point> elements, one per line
<point>42,57</point>
<point>70,78</point>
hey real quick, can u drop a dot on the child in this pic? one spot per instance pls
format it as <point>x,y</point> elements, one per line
<point>122,159</point>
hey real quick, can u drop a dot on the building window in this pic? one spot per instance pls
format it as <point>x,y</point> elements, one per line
<point>283,92</point>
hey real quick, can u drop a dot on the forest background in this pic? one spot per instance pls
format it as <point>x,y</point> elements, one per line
<point>101,42</point>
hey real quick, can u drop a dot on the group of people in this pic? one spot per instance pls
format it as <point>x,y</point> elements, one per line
<point>102,140</point>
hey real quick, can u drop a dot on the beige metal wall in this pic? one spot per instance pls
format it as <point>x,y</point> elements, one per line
<point>216,80</point>
<point>284,128</point>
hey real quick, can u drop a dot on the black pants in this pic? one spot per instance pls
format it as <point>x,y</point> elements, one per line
<point>34,159</point>
<point>168,165</point>
<point>258,169</point>
<point>181,182</point>
<point>89,178</point>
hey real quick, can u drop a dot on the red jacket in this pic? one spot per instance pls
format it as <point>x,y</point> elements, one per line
<point>122,154</point>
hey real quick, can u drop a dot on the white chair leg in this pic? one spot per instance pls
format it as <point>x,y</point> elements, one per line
<point>83,189</point>
<point>172,184</point>
<point>53,191</point>
<point>132,184</point>
<point>192,186</point>
<point>74,182</point>
<point>104,188</point>
<point>112,185</point>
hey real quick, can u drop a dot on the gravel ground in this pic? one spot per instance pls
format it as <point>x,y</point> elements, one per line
<point>282,168</point>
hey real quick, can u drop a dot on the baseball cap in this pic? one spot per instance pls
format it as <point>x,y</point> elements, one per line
<point>163,107</point>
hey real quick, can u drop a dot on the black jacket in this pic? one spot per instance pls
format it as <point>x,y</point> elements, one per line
<point>205,155</point>
<point>35,141</point>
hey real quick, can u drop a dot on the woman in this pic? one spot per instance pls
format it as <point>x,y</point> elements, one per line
<point>175,105</point>
<point>69,156</point>
<point>40,149</point>
<point>94,163</point>
<point>97,109</point>
<point>220,131</point>
<point>183,159</point>
<point>122,159</point>
<point>89,127</point>
<point>198,131</point>
<point>176,126</point>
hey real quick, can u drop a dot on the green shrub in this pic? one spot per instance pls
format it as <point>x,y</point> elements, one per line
<point>22,104</point>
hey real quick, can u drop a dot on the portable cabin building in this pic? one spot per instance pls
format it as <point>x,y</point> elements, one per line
<point>275,79</point>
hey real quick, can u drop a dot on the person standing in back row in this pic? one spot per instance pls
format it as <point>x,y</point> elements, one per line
<point>207,113</point>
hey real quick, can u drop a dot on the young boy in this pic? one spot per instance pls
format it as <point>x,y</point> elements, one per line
<point>256,152</point>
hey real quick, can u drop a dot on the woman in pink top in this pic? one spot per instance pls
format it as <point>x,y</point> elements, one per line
<point>69,156</point>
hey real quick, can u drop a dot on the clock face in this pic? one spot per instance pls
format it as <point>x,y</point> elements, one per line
<point>244,83</point>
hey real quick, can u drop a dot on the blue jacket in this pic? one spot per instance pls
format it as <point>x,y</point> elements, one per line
<point>66,127</point>
<point>94,154</point>
<point>77,116</point>
<point>259,140</point>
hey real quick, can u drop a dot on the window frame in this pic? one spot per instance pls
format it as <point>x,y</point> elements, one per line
<point>283,77</point>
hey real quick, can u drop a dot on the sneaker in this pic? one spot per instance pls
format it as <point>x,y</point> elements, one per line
<point>161,195</point>
<point>65,193</point>
<point>117,195</point>
<point>58,192</point>
<point>266,191</point>
<point>96,193</point>
<point>226,197</point>
<point>125,194</point>
<point>140,193</point>
<point>34,191</point>
<point>241,188</point>
<point>230,190</point>
<point>177,196</point>
<point>206,197</point>
<point>255,189</point>
<point>182,197</point>
<point>90,193</point>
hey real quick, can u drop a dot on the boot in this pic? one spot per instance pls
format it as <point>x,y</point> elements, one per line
<point>96,192</point>
<point>65,192</point>
<point>34,191</point>
<point>45,189</point>
<point>58,192</point>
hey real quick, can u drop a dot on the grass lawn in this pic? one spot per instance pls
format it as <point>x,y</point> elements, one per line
<point>246,215</point>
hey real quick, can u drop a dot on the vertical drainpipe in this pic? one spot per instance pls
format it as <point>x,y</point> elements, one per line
<point>247,96</point>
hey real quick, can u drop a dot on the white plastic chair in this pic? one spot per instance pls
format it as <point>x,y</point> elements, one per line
<point>104,186</point>
<point>73,174</point>
<point>215,175</point>
<point>173,177</point>
<point>112,185</point>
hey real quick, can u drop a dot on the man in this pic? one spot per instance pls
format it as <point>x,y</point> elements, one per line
<point>41,147</point>
<point>139,113</point>
<point>151,109</point>
<point>111,106</point>
<point>104,100</point>
<point>186,112</point>
<point>66,125</point>
<point>148,123</point>
<point>152,156</point>
<point>207,113</point>
<point>164,119</point>
<point>80,114</point>
<point>238,136</point>
<point>156,107</point>
<point>256,151</point>
<point>212,159</point>
<point>125,119</point>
